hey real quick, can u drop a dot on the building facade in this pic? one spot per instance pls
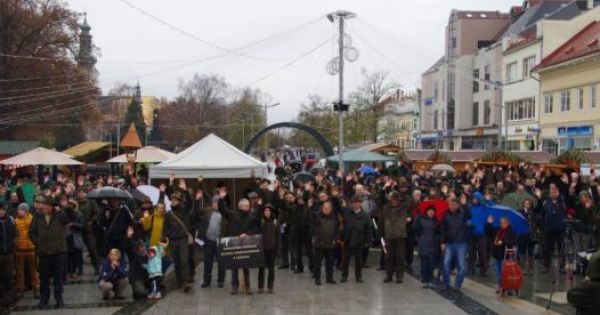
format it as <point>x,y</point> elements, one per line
<point>570,83</point>
<point>524,45</point>
<point>483,94</point>
<point>400,121</point>
<point>452,115</point>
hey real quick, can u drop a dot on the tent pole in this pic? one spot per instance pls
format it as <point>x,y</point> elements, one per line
<point>234,193</point>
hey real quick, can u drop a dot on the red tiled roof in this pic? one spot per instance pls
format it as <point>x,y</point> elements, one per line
<point>586,42</point>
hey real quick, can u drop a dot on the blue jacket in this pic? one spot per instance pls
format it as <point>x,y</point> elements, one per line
<point>111,275</point>
<point>554,215</point>
<point>8,235</point>
<point>478,217</point>
<point>154,265</point>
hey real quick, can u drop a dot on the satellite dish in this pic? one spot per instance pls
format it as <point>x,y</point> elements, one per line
<point>351,54</point>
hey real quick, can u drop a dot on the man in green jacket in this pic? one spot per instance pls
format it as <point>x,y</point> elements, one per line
<point>89,209</point>
<point>48,234</point>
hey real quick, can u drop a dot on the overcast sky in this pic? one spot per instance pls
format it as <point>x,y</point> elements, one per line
<point>292,43</point>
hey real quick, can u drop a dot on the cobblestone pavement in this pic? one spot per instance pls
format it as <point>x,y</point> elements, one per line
<point>297,294</point>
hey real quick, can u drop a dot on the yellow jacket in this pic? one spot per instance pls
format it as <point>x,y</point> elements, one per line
<point>24,243</point>
<point>154,225</point>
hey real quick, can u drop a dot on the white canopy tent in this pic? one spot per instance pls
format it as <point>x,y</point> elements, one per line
<point>211,157</point>
<point>41,156</point>
<point>148,154</point>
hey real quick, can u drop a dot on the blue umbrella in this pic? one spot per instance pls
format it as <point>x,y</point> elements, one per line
<point>367,170</point>
<point>517,220</point>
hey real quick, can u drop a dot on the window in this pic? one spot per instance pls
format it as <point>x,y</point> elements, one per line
<point>580,98</point>
<point>513,145</point>
<point>550,146</point>
<point>435,91</point>
<point>435,120</point>
<point>576,143</point>
<point>475,80</point>
<point>443,90</point>
<point>528,64</point>
<point>475,114</point>
<point>511,72</point>
<point>521,110</point>
<point>487,112</point>
<point>593,96</point>
<point>565,101</point>
<point>453,42</point>
<point>486,77</point>
<point>548,99</point>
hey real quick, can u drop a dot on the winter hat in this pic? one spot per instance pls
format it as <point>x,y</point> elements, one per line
<point>23,206</point>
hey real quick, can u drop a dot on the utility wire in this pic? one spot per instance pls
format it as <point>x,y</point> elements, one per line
<point>287,65</point>
<point>190,35</point>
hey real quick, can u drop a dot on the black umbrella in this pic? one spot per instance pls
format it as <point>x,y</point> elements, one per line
<point>137,195</point>
<point>109,193</point>
<point>304,177</point>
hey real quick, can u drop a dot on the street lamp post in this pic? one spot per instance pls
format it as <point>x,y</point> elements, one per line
<point>337,67</point>
<point>266,143</point>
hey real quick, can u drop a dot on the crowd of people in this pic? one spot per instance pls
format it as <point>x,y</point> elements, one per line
<point>330,219</point>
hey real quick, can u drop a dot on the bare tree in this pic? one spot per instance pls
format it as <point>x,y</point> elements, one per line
<point>197,111</point>
<point>367,99</point>
<point>44,95</point>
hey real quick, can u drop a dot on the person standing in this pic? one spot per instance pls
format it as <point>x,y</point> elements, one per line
<point>270,230</point>
<point>89,210</point>
<point>74,238</point>
<point>356,236</point>
<point>394,216</point>
<point>25,252</point>
<point>212,227</point>
<point>116,221</point>
<point>455,240</point>
<point>48,235</point>
<point>8,235</point>
<point>301,226</point>
<point>241,224</point>
<point>478,246</point>
<point>503,237</point>
<point>325,237</point>
<point>527,240</point>
<point>553,214</point>
<point>176,230</point>
<point>140,214</point>
<point>287,213</point>
<point>427,230</point>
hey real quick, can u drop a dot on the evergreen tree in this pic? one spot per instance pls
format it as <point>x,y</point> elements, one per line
<point>135,115</point>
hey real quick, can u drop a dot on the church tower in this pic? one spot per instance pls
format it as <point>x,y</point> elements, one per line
<point>85,58</point>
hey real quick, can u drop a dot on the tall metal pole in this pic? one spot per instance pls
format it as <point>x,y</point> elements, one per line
<point>341,92</point>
